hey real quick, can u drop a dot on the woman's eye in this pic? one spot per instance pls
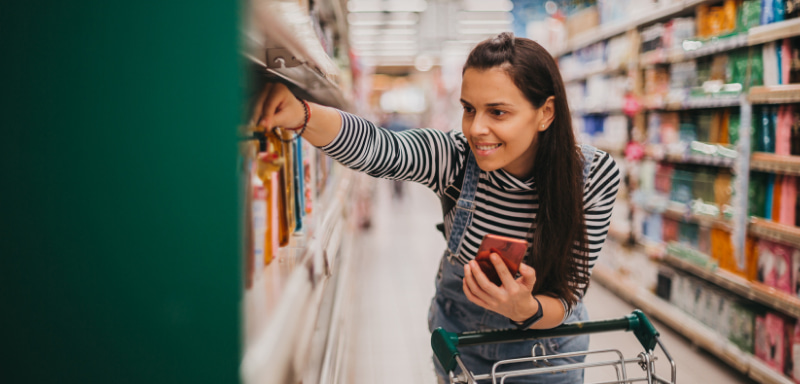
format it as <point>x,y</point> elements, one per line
<point>468,109</point>
<point>498,112</point>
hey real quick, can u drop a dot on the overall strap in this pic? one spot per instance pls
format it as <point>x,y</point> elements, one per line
<point>465,206</point>
<point>588,152</point>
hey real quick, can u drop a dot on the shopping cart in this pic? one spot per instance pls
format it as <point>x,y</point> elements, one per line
<point>445,348</point>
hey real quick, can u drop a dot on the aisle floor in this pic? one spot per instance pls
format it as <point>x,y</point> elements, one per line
<point>396,260</point>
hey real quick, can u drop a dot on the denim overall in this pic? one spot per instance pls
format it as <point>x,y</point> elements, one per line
<point>451,310</point>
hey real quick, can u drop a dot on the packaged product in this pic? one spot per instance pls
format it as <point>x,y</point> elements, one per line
<point>776,198</point>
<point>742,321</point>
<point>788,200</point>
<point>769,343</point>
<point>750,15</point>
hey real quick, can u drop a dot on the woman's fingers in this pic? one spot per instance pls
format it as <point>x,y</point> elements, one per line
<point>472,297</point>
<point>502,270</point>
<point>258,108</point>
<point>474,287</point>
<point>483,281</point>
<point>527,276</point>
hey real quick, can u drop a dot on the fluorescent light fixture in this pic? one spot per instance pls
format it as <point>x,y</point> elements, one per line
<point>480,31</point>
<point>385,22</point>
<point>377,32</point>
<point>383,18</point>
<point>393,43</point>
<point>409,52</point>
<point>387,6</point>
<point>484,22</point>
<point>488,5</point>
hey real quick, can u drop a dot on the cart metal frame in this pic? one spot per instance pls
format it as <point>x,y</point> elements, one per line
<point>445,347</point>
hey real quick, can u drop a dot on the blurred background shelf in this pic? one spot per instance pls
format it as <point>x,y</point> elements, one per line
<point>700,334</point>
<point>778,94</point>
<point>770,162</point>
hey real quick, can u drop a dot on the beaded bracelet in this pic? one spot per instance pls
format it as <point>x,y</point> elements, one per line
<point>298,131</point>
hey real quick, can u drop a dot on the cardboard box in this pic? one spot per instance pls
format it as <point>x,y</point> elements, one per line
<point>583,21</point>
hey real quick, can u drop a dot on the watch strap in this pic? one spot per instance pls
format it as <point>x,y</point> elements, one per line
<point>531,320</point>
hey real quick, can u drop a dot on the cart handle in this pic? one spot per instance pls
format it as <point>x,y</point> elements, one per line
<point>445,343</point>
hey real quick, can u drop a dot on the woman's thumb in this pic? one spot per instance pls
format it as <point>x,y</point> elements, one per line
<point>528,275</point>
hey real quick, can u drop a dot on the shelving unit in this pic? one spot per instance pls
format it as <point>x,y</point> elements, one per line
<point>299,58</point>
<point>700,334</point>
<point>759,293</point>
<point>780,94</point>
<point>773,231</point>
<point>770,162</point>
<point>738,160</point>
<point>292,311</point>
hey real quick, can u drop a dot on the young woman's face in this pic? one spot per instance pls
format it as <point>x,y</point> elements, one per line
<point>500,124</point>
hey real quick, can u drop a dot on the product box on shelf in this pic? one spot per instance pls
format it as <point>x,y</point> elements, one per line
<point>670,229</point>
<point>682,182</point>
<point>757,194</point>
<point>582,21</point>
<point>788,199</point>
<point>795,352</point>
<point>749,14</point>
<point>770,340</point>
<point>663,178</point>
<point>775,265</point>
<point>722,188</point>
<point>666,279</point>
<point>742,325</point>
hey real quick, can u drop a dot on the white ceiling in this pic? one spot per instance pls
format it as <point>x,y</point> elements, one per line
<point>398,32</point>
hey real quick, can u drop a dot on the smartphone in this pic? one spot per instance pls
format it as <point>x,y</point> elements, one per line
<point>511,250</point>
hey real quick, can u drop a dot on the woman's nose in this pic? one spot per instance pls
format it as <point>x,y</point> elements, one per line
<point>478,127</point>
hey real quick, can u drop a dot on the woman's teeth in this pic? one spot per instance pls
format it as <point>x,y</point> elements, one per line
<point>487,147</point>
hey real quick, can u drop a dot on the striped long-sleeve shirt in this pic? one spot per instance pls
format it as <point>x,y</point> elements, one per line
<point>505,205</point>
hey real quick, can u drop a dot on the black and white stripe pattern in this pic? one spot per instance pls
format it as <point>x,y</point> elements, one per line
<point>504,204</point>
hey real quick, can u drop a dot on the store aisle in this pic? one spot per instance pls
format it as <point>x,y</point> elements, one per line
<point>395,264</point>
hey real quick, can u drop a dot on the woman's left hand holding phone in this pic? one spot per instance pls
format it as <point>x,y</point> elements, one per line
<point>512,299</point>
<point>278,107</point>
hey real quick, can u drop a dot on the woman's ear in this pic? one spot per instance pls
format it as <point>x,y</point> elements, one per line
<point>548,111</point>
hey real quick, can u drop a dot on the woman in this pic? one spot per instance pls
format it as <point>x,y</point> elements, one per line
<point>523,175</point>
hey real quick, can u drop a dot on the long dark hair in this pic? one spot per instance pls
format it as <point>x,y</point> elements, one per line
<point>559,226</point>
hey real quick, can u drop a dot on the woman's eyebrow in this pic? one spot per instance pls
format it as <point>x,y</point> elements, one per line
<point>498,104</point>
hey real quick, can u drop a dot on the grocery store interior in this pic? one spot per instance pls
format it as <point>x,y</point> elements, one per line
<point>153,233</point>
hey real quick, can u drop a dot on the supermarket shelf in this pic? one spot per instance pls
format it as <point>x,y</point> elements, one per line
<point>775,31</point>
<point>292,287</point>
<point>701,160</point>
<point>281,40</point>
<point>770,230</point>
<point>604,32</point>
<point>770,162</point>
<point>699,103</point>
<point>604,71</point>
<point>683,214</point>
<point>757,292</point>
<point>710,47</point>
<point>705,220</point>
<point>779,94</point>
<point>600,111</point>
<point>700,334</point>
<point>756,35</point>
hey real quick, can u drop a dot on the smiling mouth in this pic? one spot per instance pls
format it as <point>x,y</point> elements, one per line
<point>487,147</point>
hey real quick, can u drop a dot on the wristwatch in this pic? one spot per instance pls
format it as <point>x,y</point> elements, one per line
<point>531,320</point>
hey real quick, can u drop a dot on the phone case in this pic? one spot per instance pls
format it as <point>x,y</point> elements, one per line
<point>510,249</point>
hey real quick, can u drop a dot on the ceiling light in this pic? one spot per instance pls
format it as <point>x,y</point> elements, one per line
<point>488,5</point>
<point>387,6</point>
<point>409,52</point>
<point>485,22</point>
<point>376,32</point>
